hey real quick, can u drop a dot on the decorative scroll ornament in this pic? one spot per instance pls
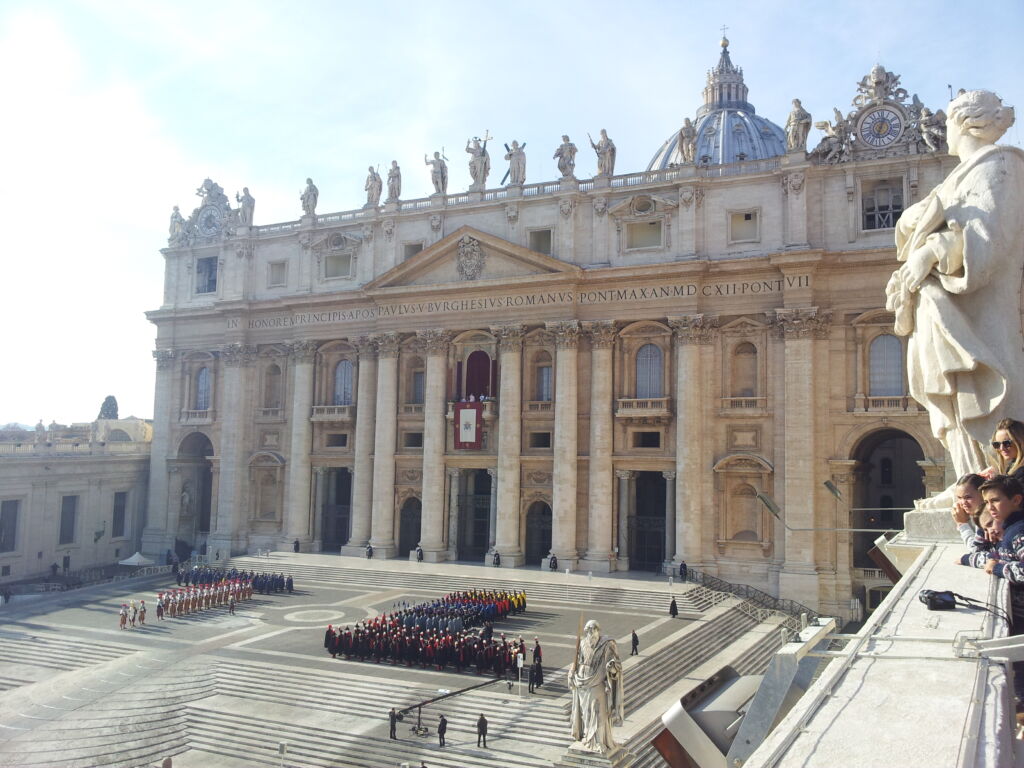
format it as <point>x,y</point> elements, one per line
<point>435,341</point>
<point>435,222</point>
<point>878,86</point>
<point>470,261</point>
<point>388,344</point>
<point>602,333</point>
<point>366,346</point>
<point>512,214</point>
<point>236,354</point>
<point>566,333</point>
<point>686,197</point>
<point>694,329</point>
<point>303,351</point>
<point>601,205</point>
<point>566,206</point>
<point>510,337</point>
<point>389,229</point>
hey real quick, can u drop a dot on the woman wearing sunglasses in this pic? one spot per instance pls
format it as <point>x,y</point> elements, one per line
<point>1008,444</point>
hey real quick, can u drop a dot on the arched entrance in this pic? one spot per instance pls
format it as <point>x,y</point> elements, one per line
<point>409,526</point>
<point>888,480</point>
<point>647,525</point>
<point>335,528</point>
<point>195,495</point>
<point>538,533</point>
<point>474,515</point>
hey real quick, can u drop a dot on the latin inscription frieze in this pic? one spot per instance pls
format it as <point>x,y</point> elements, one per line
<point>491,303</point>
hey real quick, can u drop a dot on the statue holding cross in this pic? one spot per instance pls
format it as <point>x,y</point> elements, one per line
<point>479,161</point>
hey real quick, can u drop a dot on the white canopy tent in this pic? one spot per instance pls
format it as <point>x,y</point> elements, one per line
<point>137,559</point>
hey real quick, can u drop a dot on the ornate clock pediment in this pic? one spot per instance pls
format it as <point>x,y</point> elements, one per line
<point>640,206</point>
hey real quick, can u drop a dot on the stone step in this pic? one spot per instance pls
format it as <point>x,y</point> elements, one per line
<point>646,596</point>
<point>227,733</point>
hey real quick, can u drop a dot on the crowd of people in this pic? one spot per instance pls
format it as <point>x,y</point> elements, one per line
<point>455,631</point>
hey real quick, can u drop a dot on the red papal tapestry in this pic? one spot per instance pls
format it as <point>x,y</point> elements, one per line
<point>469,422</point>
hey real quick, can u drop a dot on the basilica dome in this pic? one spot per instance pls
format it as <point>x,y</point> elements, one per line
<point>728,129</point>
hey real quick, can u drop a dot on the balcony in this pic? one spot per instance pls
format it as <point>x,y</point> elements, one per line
<point>269,414</point>
<point>197,417</point>
<point>539,406</point>
<point>333,413</point>
<point>647,410</point>
<point>412,409</point>
<point>489,415</point>
<point>744,403</point>
<point>888,404</point>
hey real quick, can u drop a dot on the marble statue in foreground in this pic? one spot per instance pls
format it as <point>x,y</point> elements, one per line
<point>595,680</point>
<point>957,294</point>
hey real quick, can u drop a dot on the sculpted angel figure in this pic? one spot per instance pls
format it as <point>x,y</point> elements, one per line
<point>957,294</point>
<point>595,679</point>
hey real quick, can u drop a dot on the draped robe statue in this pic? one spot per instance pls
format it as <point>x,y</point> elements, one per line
<point>595,680</point>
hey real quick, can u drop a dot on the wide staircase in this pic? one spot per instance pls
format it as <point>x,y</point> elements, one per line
<point>644,596</point>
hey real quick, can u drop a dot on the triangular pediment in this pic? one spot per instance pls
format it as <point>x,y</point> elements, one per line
<point>470,257</point>
<point>743,326</point>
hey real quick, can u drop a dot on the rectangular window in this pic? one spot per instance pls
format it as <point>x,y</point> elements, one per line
<point>643,234</point>
<point>413,440</point>
<point>9,524</point>
<point>540,241</point>
<point>743,227</point>
<point>540,439</point>
<point>337,439</point>
<point>338,265</point>
<point>5,570</point>
<point>544,383</point>
<point>647,439</point>
<point>120,507</point>
<point>411,249</point>
<point>206,275</point>
<point>277,274</point>
<point>418,386</point>
<point>68,508</point>
<point>883,203</point>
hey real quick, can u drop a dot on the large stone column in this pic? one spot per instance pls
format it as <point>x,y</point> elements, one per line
<point>625,478</point>
<point>492,518</point>
<point>453,513</point>
<point>799,327</point>
<point>362,480</point>
<point>670,522</point>
<point>435,344</point>
<point>600,535</point>
<point>382,535</point>
<point>227,531</point>
<point>158,535</point>
<point>563,496</point>
<point>319,480</point>
<point>692,332</point>
<point>510,402</point>
<point>297,511</point>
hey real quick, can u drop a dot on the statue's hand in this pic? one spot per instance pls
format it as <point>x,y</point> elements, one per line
<point>917,267</point>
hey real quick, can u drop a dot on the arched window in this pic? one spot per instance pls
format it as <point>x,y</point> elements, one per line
<point>202,399</point>
<point>478,374</point>
<point>542,378</point>
<point>885,366</point>
<point>744,514</point>
<point>272,386</point>
<point>648,371</point>
<point>744,370</point>
<point>342,383</point>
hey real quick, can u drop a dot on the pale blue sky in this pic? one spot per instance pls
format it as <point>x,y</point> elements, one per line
<point>113,112</point>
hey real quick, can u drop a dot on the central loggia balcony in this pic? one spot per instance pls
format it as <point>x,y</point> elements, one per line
<point>643,408</point>
<point>205,416</point>
<point>333,413</point>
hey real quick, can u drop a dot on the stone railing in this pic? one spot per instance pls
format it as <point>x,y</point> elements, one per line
<point>886,404</point>
<point>539,406</point>
<point>197,417</point>
<point>412,409</point>
<point>754,595</point>
<point>73,449</point>
<point>269,413</point>
<point>333,413</point>
<point>738,169</point>
<point>730,403</point>
<point>626,407</point>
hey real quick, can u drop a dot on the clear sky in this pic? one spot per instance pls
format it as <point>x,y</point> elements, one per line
<point>113,112</point>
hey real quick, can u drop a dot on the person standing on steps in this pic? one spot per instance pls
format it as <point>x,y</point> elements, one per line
<point>634,644</point>
<point>442,729</point>
<point>673,609</point>
<point>393,721</point>
<point>295,546</point>
<point>481,730</point>
<point>682,570</point>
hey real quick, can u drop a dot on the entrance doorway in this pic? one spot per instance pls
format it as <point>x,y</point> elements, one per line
<point>888,481</point>
<point>409,527</point>
<point>474,515</point>
<point>196,490</point>
<point>335,528</point>
<point>538,533</point>
<point>647,525</point>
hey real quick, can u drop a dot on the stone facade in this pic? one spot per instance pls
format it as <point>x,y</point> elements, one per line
<point>653,349</point>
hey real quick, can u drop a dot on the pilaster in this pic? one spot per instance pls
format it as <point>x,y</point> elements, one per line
<point>435,343</point>
<point>510,398</point>
<point>382,534</point>
<point>600,555</point>
<point>157,536</point>
<point>297,512</point>
<point>625,480</point>
<point>564,481</point>
<point>362,475</point>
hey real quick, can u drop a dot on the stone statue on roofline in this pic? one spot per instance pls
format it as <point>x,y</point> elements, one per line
<point>951,295</point>
<point>798,125</point>
<point>438,173</point>
<point>479,162</point>
<point>566,156</point>
<point>687,141</point>
<point>605,149</point>
<point>394,182</point>
<point>516,157</point>
<point>309,197</point>
<point>373,187</point>
<point>247,206</point>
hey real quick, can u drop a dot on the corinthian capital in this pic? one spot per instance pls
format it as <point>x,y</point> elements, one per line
<point>303,351</point>
<point>566,333</point>
<point>236,354</point>
<point>365,346</point>
<point>694,329</point>
<point>802,323</point>
<point>601,333</point>
<point>387,344</point>
<point>510,337</point>
<point>164,358</point>
<point>435,340</point>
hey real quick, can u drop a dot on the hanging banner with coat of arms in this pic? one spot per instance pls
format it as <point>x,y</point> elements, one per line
<point>469,422</point>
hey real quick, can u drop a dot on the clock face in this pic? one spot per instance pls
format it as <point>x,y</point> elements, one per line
<point>880,127</point>
<point>209,220</point>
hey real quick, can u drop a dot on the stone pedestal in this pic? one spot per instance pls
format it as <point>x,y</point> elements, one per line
<point>581,758</point>
<point>391,206</point>
<point>568,183</point>
<point>514,190</point>
<point>476,195</point>
<point>602,182</point>
<point>438,199</point>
